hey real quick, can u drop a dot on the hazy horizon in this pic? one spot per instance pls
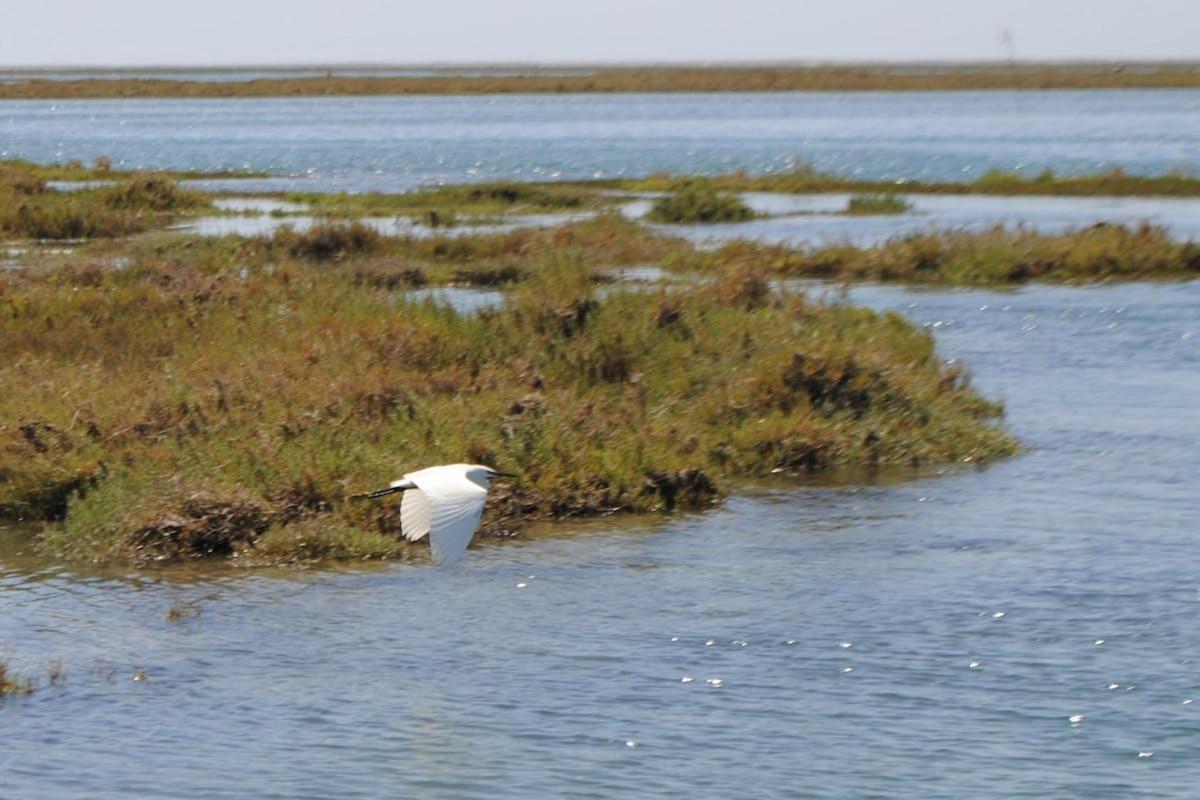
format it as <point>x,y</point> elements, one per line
<point>266,33</point>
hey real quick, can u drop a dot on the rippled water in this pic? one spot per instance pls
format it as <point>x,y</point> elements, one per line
<point>393,143</point>
<point>927,638</point>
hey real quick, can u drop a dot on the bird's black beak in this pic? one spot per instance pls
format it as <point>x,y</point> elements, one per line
<point>498,474</point>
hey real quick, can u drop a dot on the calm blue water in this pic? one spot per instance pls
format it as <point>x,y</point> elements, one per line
<point>926,639</point>
<point>390,143</point>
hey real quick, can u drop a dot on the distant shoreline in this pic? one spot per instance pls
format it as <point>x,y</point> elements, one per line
<point>351,80</point>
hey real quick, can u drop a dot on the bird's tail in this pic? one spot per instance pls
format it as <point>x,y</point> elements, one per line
<point>380,493</point>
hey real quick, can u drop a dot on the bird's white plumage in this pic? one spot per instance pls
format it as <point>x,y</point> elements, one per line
<point>414,514</point>
<point>446,505</point>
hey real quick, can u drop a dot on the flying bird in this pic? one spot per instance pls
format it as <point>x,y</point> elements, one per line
<point>444,502</point>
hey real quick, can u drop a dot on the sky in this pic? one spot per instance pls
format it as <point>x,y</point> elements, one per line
<point>243,32</point>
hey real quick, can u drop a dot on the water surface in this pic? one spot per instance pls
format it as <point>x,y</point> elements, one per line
<point>396,143</point>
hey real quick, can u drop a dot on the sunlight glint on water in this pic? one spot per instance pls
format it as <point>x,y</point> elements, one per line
<point>394,143</point>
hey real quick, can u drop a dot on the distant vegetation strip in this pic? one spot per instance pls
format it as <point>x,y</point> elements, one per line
<point>805,179</point>
<point>646,79</point>
<point>102,168</point>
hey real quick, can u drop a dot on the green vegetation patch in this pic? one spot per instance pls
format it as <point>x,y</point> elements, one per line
<point>164,412</point>
<point>699,204</point>
<point>29,209</point>
<point>883,203</point>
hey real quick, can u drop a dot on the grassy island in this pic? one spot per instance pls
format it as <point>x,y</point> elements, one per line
<point>998,257</point>
<point>699,204</point>
<point>30,209</point>
<point>218,403</point>
<point>882,203</point>
<point>167,395</point>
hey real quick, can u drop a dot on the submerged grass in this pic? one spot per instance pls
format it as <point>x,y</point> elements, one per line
<point>995,257</point>
<point>197,406</point>
<point>12,683</point>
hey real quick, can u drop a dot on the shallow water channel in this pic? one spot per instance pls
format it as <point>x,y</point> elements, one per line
<point>803,220</point>
<point>1026,630</point>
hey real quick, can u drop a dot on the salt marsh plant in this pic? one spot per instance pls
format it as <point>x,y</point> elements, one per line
<point>29,209</point>
<point>882,203</point>
<point>699,204</point>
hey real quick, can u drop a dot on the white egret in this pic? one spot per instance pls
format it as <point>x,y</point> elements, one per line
<point>444,502</point>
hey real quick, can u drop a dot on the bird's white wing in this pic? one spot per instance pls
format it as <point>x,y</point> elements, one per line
<point>454,505</point>
<point>414,514</point>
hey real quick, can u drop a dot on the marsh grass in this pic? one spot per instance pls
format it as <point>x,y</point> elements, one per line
<point>883,203</point>
<point>75,170</point>
<point>691,204</point>
<point>29,209</point>
<point>802,178</point>
<point>436,205</point>
<point>995,257</point>
<point>862,77</point>
<point>325,539</point>
<point>198,406</point>
<point>481,259</point>
<point>326,241</point>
